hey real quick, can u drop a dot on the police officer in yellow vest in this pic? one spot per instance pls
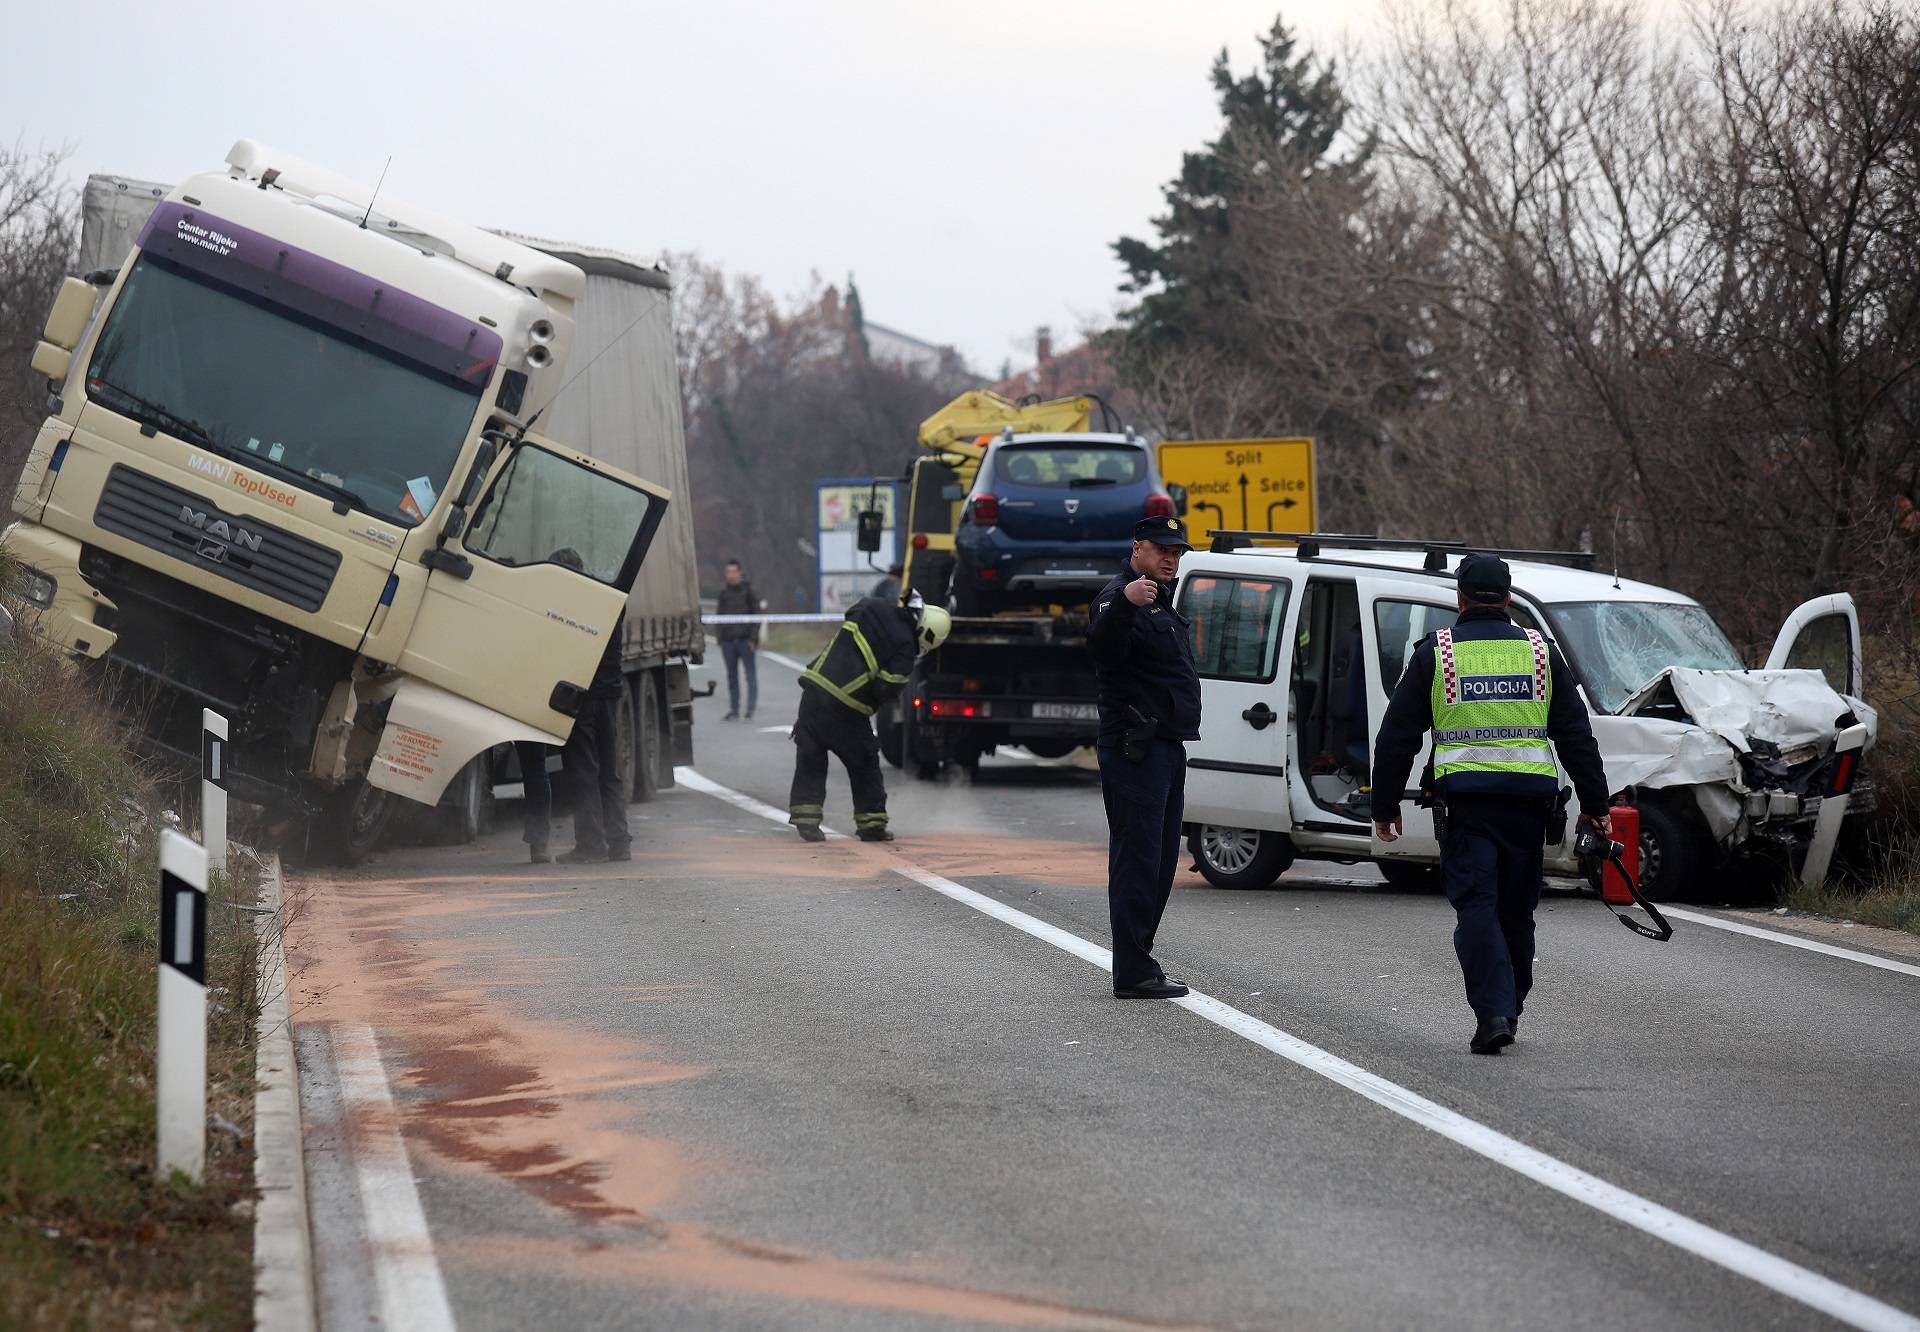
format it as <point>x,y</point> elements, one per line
<point>864,664</point>
<point>1495,697</point>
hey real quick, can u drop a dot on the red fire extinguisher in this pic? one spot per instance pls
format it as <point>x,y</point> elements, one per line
<point>1626,831</point>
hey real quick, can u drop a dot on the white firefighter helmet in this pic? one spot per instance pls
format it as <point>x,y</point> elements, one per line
<point>934,624</point>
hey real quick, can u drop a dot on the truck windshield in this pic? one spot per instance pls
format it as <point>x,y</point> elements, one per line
<point>1617,646</point>
<point>305,401</point>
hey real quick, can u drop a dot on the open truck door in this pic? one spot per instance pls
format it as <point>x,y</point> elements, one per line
<point>1823,635</point>
<point>509,630</point>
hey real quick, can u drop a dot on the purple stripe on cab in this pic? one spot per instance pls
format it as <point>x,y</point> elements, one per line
<point>321,288</point>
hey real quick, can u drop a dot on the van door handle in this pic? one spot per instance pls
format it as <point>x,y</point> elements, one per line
<point>1260,716</point>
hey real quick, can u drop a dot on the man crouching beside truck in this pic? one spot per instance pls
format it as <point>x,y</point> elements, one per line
<point>865,663</point>
<point>1494,695</point>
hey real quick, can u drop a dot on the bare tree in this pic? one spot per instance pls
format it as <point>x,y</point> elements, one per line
<point>38,234</point>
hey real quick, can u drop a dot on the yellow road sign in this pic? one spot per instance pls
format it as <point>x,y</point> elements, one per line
<point>1243,485</point>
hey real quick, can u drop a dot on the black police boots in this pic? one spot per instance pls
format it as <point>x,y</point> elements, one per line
<point>1491,1036</point>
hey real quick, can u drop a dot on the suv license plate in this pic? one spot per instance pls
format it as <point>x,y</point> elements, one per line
<point>1066,712</point>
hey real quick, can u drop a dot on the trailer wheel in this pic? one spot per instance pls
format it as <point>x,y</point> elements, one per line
<point>649,740</point>
<point>1241,858</point>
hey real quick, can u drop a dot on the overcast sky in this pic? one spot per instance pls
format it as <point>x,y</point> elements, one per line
<point>969,162</point>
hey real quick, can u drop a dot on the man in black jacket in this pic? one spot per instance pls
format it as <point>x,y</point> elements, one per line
<point>1149,709</point>
<point>862,667</point>
<point>1502,696</point>
<point>739,643</point>
<point>592,764</point>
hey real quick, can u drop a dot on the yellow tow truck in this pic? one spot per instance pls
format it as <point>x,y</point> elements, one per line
<point>1018,677</point>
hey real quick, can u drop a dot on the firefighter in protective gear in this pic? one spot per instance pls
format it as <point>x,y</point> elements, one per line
<point>863,666</point>
<point>1495,696</point>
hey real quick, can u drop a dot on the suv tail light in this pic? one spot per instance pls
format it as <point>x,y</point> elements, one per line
<point>986,510</point>
<point>1159,506</point>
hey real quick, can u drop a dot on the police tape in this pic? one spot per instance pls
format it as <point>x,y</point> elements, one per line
<point>821,617</point>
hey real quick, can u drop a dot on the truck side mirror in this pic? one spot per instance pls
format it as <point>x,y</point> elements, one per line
<point>867,533</point>
<point>66,325</point>
<point>67,321</point>
<point>1179,493</point>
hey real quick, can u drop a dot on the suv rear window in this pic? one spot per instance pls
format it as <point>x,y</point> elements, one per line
<point>1069,465</point>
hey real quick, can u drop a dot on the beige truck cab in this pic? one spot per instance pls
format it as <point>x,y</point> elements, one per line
<point>1299,647</point>
<point>288,474</point>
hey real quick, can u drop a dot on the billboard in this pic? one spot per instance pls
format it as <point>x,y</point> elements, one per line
<point>847,573</point>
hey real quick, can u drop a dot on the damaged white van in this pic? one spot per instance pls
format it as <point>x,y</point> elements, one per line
<point>1299,647</point>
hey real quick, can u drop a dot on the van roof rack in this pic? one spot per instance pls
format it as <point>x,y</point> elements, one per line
<point>1310,544</point>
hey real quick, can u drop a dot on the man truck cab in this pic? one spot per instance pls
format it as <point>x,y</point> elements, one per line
<point>1299,648</point>
<point>288,475</point>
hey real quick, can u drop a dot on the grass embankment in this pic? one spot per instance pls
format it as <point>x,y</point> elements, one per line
<point>89,1237</point>
<point>1876,877</point>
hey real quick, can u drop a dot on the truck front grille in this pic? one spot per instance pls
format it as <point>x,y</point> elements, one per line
<point>247,551</point>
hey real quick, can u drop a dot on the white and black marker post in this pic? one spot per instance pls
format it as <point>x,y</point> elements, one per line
<point>183,1006</point>
<point>213,787</point>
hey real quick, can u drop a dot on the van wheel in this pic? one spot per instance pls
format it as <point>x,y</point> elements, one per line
<point>1240,857</point>
<point>1410,876</point>
<point>1675,854</point>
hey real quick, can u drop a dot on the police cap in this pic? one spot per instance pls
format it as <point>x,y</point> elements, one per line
<point>1484,575</point>
<point>1162,532</point>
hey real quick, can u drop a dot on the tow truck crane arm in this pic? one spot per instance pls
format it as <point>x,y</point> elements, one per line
<point>964,425</point>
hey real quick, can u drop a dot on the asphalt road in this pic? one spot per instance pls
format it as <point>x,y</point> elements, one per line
<point>744,1082</point>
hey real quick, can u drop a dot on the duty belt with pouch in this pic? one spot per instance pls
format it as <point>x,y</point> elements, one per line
<point>1135,739</point>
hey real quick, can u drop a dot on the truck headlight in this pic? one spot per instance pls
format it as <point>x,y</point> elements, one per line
<point>37,589</point>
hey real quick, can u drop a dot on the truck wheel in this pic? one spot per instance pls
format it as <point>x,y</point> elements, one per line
<point>349,824</point>
<point>465,813</point>
<point>916,754</point>
<point>649,739</point>
<point>1675,854</point>
<point>1049,749</point>
<point>1240,857</point>
<point>1409,876</point>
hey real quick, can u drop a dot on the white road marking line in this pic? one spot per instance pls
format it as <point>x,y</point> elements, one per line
<point>1778,1274</point>
<point>687,777</point>
<point>1793,941</point>
<point>791,663</point>
<point>777,730</point>
<point>406,1273</point>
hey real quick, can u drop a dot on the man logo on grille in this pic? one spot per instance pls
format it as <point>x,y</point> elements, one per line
<point>218,530</point>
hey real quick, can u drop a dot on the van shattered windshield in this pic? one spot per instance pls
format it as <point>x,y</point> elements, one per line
<point>1617,646</point>
<point>306,371</point>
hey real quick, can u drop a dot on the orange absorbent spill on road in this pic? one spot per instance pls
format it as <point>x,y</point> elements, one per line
<point>547,1106</point>
<point>688,1256</point>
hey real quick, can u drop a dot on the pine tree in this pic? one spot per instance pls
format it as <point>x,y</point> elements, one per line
<point>1285,116</point>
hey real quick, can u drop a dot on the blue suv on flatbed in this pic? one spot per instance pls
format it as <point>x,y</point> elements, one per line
<point>1050,519</point>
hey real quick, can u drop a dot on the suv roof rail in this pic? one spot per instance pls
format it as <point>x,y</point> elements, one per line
<point>1310,544</point>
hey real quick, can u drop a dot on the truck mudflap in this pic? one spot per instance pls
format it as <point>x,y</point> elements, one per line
<point>431,734</point>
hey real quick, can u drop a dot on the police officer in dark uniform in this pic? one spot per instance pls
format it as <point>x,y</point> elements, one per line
<point>1494,696</point>
<point>1149,709</point>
